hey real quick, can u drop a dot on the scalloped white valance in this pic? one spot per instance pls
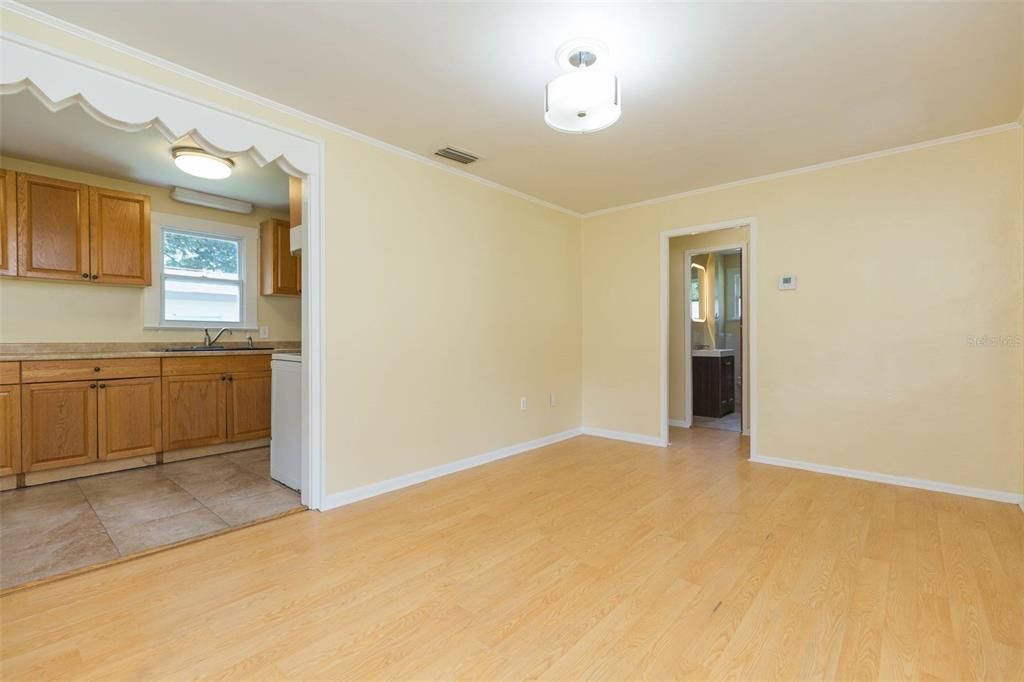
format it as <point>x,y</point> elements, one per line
<point>127,104</point>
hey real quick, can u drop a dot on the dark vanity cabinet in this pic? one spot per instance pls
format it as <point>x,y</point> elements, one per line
<point>714,386</point>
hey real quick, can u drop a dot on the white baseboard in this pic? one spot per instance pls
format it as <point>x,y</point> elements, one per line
<point>344,497</point>
<point>681,423</point>
<point>640,438</point>
<point>936,486</point>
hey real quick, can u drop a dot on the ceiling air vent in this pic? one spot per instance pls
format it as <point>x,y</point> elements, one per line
<point>457,155</point>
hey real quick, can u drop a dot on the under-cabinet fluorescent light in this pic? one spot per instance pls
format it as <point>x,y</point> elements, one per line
<point>190,196</point>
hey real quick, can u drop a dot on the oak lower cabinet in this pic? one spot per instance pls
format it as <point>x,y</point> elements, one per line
<point>129,418</point>
<point>10,430</point>
<point>211,409</point>
<point>58,424</point>
<point>195,410</point>
<point>248,406</point>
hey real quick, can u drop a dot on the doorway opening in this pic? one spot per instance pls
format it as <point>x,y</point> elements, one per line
<point>714,291</point>
<point>708,358</point>
<point>163,432</point>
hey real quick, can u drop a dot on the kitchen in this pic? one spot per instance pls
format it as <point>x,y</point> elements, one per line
<point>147,289</point>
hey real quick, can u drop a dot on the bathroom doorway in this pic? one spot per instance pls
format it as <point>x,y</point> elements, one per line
<point>714,291</point>
<point>707,327</point>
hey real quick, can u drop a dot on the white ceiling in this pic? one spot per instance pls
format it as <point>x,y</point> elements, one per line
<point>711,93</point>
<point>71,138</point>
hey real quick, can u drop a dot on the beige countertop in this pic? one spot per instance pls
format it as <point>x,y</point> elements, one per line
<point>22,352</point>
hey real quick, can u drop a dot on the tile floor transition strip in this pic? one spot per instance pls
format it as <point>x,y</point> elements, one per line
<point>147,552</point>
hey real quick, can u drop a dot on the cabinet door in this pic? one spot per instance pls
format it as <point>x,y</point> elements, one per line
<point>53,228</point>
<point>129,418</point>
<point>10,430</point>
<point>8,224</point>
<point>194,410</point>
<point>281,272</point>
<point>119,236</point>
<point>248,406</point>
<point>58,425</point>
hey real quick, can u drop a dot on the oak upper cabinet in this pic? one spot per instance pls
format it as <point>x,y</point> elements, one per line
<point>194,410</point>
<point>8,223</point>
<point>58,424</point>
<point>66,230</point>
<point>280,271</point>
<point>10,419</point>
<point>119,233</point>
<point>248,406</point>
<point>129,417</point>
<point>53,228</point>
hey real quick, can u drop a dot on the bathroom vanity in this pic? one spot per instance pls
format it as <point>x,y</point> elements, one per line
<point>714,382</point>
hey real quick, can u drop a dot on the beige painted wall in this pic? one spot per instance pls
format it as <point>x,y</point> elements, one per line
<point>446,300</point>
<point>850,373</point>
<point>33,311</point>
<point>890,386</point>
<point>679,308</point>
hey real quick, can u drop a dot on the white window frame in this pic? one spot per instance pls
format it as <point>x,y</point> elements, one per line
<point>248,240</point>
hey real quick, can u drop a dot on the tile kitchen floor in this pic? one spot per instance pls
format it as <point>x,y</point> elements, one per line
<point>58,527</point>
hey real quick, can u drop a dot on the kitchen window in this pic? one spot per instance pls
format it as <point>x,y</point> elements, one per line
<point>201,278</point>
<point>205,274</point>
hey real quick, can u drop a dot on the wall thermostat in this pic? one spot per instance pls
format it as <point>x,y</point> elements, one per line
<point>787,282</point>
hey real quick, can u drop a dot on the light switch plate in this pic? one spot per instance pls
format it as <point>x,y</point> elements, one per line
<point>787,282</point>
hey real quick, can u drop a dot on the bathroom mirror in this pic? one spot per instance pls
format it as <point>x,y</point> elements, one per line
<point>698,293</point>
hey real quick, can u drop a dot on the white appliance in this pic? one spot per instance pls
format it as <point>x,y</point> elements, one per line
<point>286,418</point>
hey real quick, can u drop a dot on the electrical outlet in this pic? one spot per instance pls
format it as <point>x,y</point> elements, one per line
<point>551,399</point>
<point>522,404</point>
<point>264,332</point>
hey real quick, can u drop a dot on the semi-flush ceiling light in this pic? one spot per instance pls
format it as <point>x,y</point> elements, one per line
<point>584,100</point>
<point>201,164</point>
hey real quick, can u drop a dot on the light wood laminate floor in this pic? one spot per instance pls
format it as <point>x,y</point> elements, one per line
<point>589,559</point>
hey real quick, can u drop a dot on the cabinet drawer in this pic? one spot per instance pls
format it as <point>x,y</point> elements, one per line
<point>38,371</point>
<point>10,373</point>
<point>225,364</point>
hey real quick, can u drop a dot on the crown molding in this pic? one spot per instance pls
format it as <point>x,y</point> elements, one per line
<point>160,62</point>
<point>177,69</point>
<point>808,169</point>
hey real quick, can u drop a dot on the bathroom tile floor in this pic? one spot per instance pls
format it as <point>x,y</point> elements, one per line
<point>50,529</point>
<point>730,422</point>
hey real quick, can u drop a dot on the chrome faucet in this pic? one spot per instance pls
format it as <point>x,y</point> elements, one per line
<point>207,341</point>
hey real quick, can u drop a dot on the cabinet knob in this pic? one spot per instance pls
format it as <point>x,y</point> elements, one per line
<point>92,385</point>
<point>230,378</point>
<point>85,275</point>
<point>95,276</point>
<point>103,385</point>
<point>95,369</point>
<point>223,378</point>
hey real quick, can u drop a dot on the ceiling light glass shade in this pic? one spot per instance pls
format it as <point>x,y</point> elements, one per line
<point>202,165</point>
<point>582,101</point>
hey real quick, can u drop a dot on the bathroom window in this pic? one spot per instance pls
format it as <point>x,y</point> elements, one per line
<point>735,300</point>
<point>203,272</point>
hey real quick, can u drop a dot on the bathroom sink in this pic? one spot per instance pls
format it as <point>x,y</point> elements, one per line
<point>712,352</point>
